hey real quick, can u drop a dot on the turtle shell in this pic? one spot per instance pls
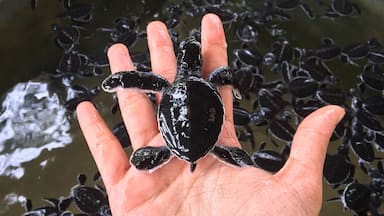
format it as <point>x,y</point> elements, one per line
<point>190,118</point>
<point>88,199</point>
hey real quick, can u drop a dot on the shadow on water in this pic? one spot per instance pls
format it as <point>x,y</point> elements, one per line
<point>28,52</point>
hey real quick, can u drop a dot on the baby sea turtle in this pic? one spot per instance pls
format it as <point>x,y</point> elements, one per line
<point>302,87</point>
<point>55,207</point>
<point>327,51</point>
<point>124,31</point>
<point>78,13</point>
<point>269,160</point>
<point>66,36</point>
<point>247,33</point>
<point>292,4</point>
<point>190,113</point>
<point>89,200</point>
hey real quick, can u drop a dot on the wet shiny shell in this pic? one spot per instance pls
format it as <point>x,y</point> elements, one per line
<point>88,199</point>
<point>190,118</point>
<point>121,133</point>
<point>373,79</point>
<point>302,87</point>
<point>317,70</point>
<point>376,56</point>
<point>282,130</point>
<point>337,169</point>
<point>374,105</point>
<point>331,96</point>
<point>357,50</point>
<point>70,62</point>
<point>356,197</point>
<point>364,150</point>
<point>368,121</point>
<point>270,100</point>
<point>248,56</point>
<point>268,160</point>
<point>66,36</point>
<point>304,108</point>
<point>241,116</point>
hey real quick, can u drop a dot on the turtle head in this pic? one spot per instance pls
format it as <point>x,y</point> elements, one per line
<point>112,83</point>
<point>189,58</point>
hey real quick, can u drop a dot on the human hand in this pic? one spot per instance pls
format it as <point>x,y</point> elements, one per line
<point>214,188</point>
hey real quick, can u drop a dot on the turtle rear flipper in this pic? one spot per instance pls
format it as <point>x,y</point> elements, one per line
<point>150,157</point>
<point>232,155</point>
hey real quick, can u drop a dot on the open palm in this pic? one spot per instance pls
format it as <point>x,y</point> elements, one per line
<point>214,188</point>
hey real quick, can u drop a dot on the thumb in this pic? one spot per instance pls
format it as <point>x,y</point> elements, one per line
<point>309,146</point>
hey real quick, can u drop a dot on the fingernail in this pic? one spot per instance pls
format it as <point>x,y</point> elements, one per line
<point>160,34</point>
<point>119,49</point>
<point>341,114</point>
<point>157,34</point>
<point>216,22</point>
<point>337,113</point>
<point>212,30</point>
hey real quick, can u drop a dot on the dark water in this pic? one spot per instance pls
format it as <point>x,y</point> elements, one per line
<point>28,52</point>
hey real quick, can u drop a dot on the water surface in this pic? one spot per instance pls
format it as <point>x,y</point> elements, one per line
<point>28,52</point>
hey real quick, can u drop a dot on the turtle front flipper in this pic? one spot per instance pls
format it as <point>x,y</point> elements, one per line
<point>221,76</point>
<point>134,79</point>
<point>232,155</point>
<point>150,157</point>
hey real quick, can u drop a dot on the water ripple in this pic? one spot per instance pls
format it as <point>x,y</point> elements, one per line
<point>31,120</point>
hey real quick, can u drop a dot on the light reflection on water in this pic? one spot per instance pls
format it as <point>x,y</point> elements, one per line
<point>32,119</point>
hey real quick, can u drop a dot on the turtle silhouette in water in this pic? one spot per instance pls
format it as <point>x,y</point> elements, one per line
<point>190,114</point>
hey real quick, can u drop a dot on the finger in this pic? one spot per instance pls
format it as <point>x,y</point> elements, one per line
<point>213,43</point>
<point>214,53</point>
<point>106,150</point>
<point>310,144</point>
<point>163,59</point>
<point>136,109</point>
